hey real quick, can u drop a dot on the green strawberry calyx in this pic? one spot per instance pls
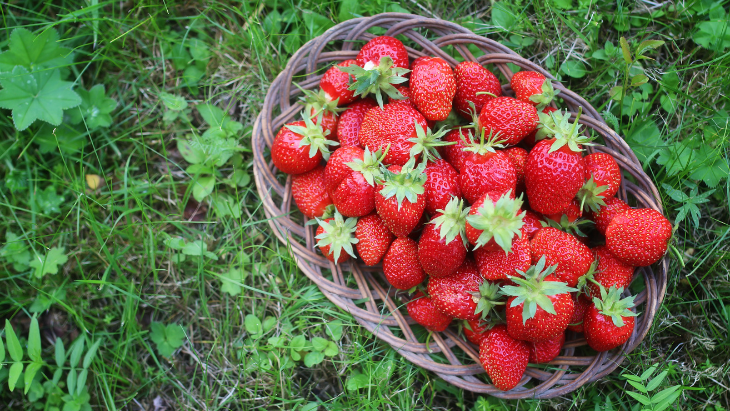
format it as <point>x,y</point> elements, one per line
<point>369,166</point>
<point>316,103</point>
<point>313,136</point>
<point>532,290</point>
<point>485,144</point>
<point>452,220</point>
<point>546,97</point>
<point>426,142</point>
<point>590,276</point>
<point>591,196</point>
<point>406,185</point>
<point>611,305</point>
<point>339,234</point>
<point>487,298</point>
<point>377,79</point>
<point>557,126</point>
<point>574,227</point>
<point>500,220</point>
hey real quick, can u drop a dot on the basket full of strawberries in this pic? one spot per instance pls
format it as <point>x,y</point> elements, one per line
<point>475,218</point>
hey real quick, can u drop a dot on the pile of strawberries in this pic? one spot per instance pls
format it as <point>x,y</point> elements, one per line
<point>485,223</point>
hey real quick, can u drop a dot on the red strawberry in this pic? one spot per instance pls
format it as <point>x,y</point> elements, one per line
<point>529,142</point>
<point>335,235</point>
<point>485,169</point>
<point>531,223</point>
<point>455,153</point>
<point>540,306</point>
<point>472,78</point>
<point>442,183</point>
<point>497,265</point>
<point>373,237</point>
<point>401,266</point>
<point>546,351</point>
<point>609,272</point>
<point>433,86</point>
<point>395,125</point>
<point>381,46</point>
<point>299,147</point>
<point>580,306</point>
<point>348,128</point>
<point>476,330</point>
<point>570,222</point>
<point>605,213</point>
<point>518,156</point>
<point>572,258</point>
<point>442,248</point>
<point>400,199</point>
<point>555,168</point>
<point>609,321</point>
<point>495,221</point>
<point>605,172</point>
<point>335,84</point>
<point>532,87</point>
<point>419,60</point>
<point>309,192</point>
<point>508,118</point>
<point>638,237</point>
<point>504,358</point>
<point>322,110</point>
<point>422,309</point>
<point>464,294</point>
<point>349,179</point>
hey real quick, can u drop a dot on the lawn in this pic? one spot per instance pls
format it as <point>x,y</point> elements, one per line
<point>133,276</point>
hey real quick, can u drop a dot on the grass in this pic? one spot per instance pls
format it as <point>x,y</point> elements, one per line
<point>121,275</point>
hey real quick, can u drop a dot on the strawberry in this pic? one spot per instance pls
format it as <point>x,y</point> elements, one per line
<point>471,79</point>
<point>495,221</point>
<point>464,294</point>
<point>638,237</point>
<point>531,223</point>
<point>532,87</point>
<point>529,142</point>
<point>373,237</point>
<point>605,172</point>
<point>539,306</point>
<point>609,272</point>
<point>546,351</point>
<point>518,156</point>
<point>442,183</point>
<point>348,128</point>
<point>498,265</point>
<point>299,147</point>
<point>580,306</point>
<point>381,64</point>
<point>605,213</point>
<point>309,192</point>
<point>433,87</point>
<point>334,83</point>
<point>400,199</point>
<point>509,118</point>
<point>555,168</point>
<point>321,110</point>
<point>442,246</point>
<point>504,358</point>
<point>570,221</point>
<point>349,180</point>
<point>455,153</point>
<point>401,266</point>
<point>485,169</point>
<point>476,330</point>
<point>395,125</point>
<point>609,321</point>
<point>572,258</point>
<point>335,235</point>
<point>422,309</point>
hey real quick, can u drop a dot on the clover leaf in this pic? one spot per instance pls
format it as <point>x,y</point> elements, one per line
<point>167,338</point>
<point>232,280</point>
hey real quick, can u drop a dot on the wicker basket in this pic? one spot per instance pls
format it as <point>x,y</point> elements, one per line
<point>360,290</point>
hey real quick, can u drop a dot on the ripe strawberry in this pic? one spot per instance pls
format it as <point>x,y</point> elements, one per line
<point>334,83</point>
<point>309,192</point>
<point>605,172</point>
<point>570,221</point>
<point>399,197</point>
<point>508,118</point>
<point>531,223</point>
<point>495,221</point>
<point>299,147</point>
<point>540,306</point>
<point>473,78</point>
<point>442,183</point>
<point>605,213</point>
<point>373,237</point>
<point>518,156</point>
<point>422,309</point>
<point>572,258</point>
<point>504,358</point>
<point>609,321</point>
<point>638,237</point>
<point>532,87</point>
<point>335,235</point>
<point>442,246</point>
<point>546,351</point>
<point>465,294</point>
<point>322,110</point>
<point>349,180</point>
<point>538,134</point>
<point>381,46</point>
<point>396,125</point>
<point>348,128</point>
<point>401,266</point>
<point>433,87</point>
<point>476,330</point>
<point>498,265</point>
<point>485,169</point>
<point>580,306</point>
<point>609,272</point>
<point>555,168</point>
<point>454,153</point>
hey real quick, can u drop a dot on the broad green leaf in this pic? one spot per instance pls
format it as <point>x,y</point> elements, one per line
<point>319,343</point>
<point>89,357</point>
<point>311,406</point>
<point>198,248</point>
<point>65,138</point>
<point>211,114</point>
<point>192,75</point>
<point>645,139</point>
<point>192,153</point>
<point>173,102</point>
<point>77,348</point>
<point>334,329</point>
<point>2,353</point>
<point>711,165</point>
<point>199,50</point>
<point>348,9</point>
<point>14,348</point>
<point>34,341</point>
<point>357,381</point>
<point>713,35</point>
<point>639,386</point>
<point>298,342</point>
<point>49,201</point>
<point>503,17</point>
<point>253,324</point>
<point>573,68</point>
<point>638,80</point>
<point>16,251</point>
<point>13,374</point>
<point>316,23</point>
<point>269,323</point>
<point>175,243</point>
<point>647,44</point>
<point>648,372</point>
<point>331,349</point>
<point>57,376</point>
<point>241,178</point>
<point>95,109</point>
<point>30,371</point>
<point>49,263</point>
<point>33,52</point>
<point>676,157</point>
<point>175,335</point>
<point>313,358</point>
<point>202,187</point>
<point>225,205</point>
<point>60,352</point>
<point>36,96</point>
<point>666,397</point>
<point>231,281</point>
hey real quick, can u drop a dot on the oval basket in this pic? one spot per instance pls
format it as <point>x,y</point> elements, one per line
<point>361,290</point>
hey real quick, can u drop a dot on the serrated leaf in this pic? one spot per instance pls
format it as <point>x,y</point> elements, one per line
<point>36,96</point>
<point>231,281</point>
<point>173,102</point>
<point>313,358</point>
<point>14,348</point>
<point>253,324</point>
<point>676,157</point>
<point>644,138</point>
<point>49,201</point>
<point>625,50</point>
<point>34,341</point>
<point>33,52</point>
<point>14,374</point>
<point>95,108</point>
<point>711,168</point>
<point>49,263</point>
